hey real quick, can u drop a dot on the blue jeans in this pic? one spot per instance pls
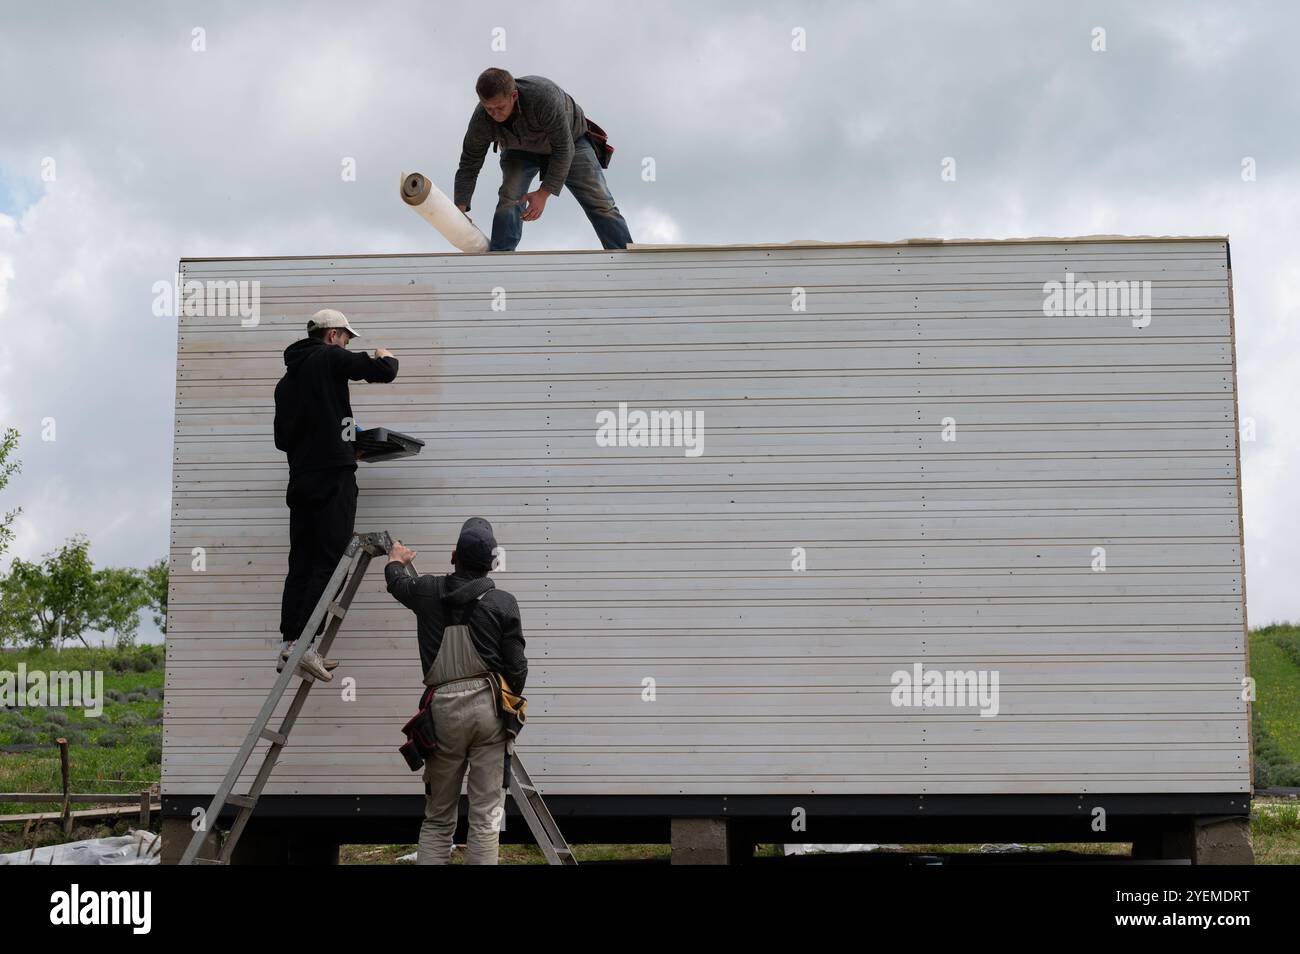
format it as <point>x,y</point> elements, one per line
<point>586,180</point>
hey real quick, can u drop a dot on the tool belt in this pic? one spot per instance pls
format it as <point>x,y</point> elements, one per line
<point>599,142</point>
<point>510,705</point>
<point>422,742</point>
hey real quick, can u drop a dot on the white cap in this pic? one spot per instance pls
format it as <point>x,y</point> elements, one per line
<point>329,318</point>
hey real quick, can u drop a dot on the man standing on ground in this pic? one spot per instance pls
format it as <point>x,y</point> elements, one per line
<point>539,128</point>
<point>466,627</point>
<point>315,428</point>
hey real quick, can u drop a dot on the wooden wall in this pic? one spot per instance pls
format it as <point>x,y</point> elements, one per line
<point>822,430</point>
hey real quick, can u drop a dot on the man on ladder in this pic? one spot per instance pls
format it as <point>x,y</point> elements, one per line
<point>314,426</point>
<point>467,629</point>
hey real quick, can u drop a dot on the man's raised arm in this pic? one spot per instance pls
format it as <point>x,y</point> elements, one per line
<point>359,366</point>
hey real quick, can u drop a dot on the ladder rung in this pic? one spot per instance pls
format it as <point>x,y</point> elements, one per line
<point>243,801</point>
<point>272,736</point>
<point>336,609</point>
<point>208,861</point>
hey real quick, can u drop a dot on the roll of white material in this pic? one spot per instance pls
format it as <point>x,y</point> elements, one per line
<point>440,212</point>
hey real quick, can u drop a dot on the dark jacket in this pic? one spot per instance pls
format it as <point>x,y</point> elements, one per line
<point>441,601</point>
<point>312,402</point>
<point>545,120</point>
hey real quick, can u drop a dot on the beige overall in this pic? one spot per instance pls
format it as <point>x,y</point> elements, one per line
<point>469,733</point>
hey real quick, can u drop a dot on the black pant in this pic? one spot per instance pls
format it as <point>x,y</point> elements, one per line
<point>322,509</point>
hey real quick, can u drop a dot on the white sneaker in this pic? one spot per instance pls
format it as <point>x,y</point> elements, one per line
<point>329,664</point>
<point>314,663</point>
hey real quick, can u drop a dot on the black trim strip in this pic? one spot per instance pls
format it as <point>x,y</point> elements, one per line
<point>596,807</point>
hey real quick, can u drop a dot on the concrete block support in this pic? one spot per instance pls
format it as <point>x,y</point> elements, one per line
<point>699,841</point>
<point>1223,842</point>
<point>176,835</point>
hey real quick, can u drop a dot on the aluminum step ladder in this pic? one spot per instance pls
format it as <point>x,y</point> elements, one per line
<point>343,584</point>
<point>529,802</point>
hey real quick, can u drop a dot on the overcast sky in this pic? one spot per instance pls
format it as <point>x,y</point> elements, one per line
<point>160,151</point>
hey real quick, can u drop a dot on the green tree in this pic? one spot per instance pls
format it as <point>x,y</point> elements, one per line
<point>64,597</point>
<point>52,599</point>
<point>155,582</point>
<point>8,442</point>
<point>120,594</point>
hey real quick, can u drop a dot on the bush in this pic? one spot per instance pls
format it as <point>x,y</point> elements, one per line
<point>1285,776</point>
<point>1272,770</point>
<point>152,748</point>
<point>1286,638</point>
<point>143,663</point>
<point>24,737</point>
<point>128,719</point>
<point>1263,775</point>
<point>56,717</point>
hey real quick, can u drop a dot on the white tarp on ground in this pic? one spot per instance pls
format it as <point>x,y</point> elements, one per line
<point>134,848</point>
<point>830,849</point>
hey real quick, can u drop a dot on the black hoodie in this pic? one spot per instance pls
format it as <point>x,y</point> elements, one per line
<point>441,601</point>
<point>312,403</point>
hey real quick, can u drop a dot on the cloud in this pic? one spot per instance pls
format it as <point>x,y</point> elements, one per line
<point>163,152</point>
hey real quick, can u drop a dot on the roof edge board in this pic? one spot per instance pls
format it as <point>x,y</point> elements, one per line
<point>797,244</point>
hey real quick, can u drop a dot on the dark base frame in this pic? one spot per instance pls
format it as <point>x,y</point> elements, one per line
<point>1143,819</point>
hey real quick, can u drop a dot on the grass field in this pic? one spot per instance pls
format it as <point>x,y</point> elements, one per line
<point>1275,665</point>
<point>121,752</point>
